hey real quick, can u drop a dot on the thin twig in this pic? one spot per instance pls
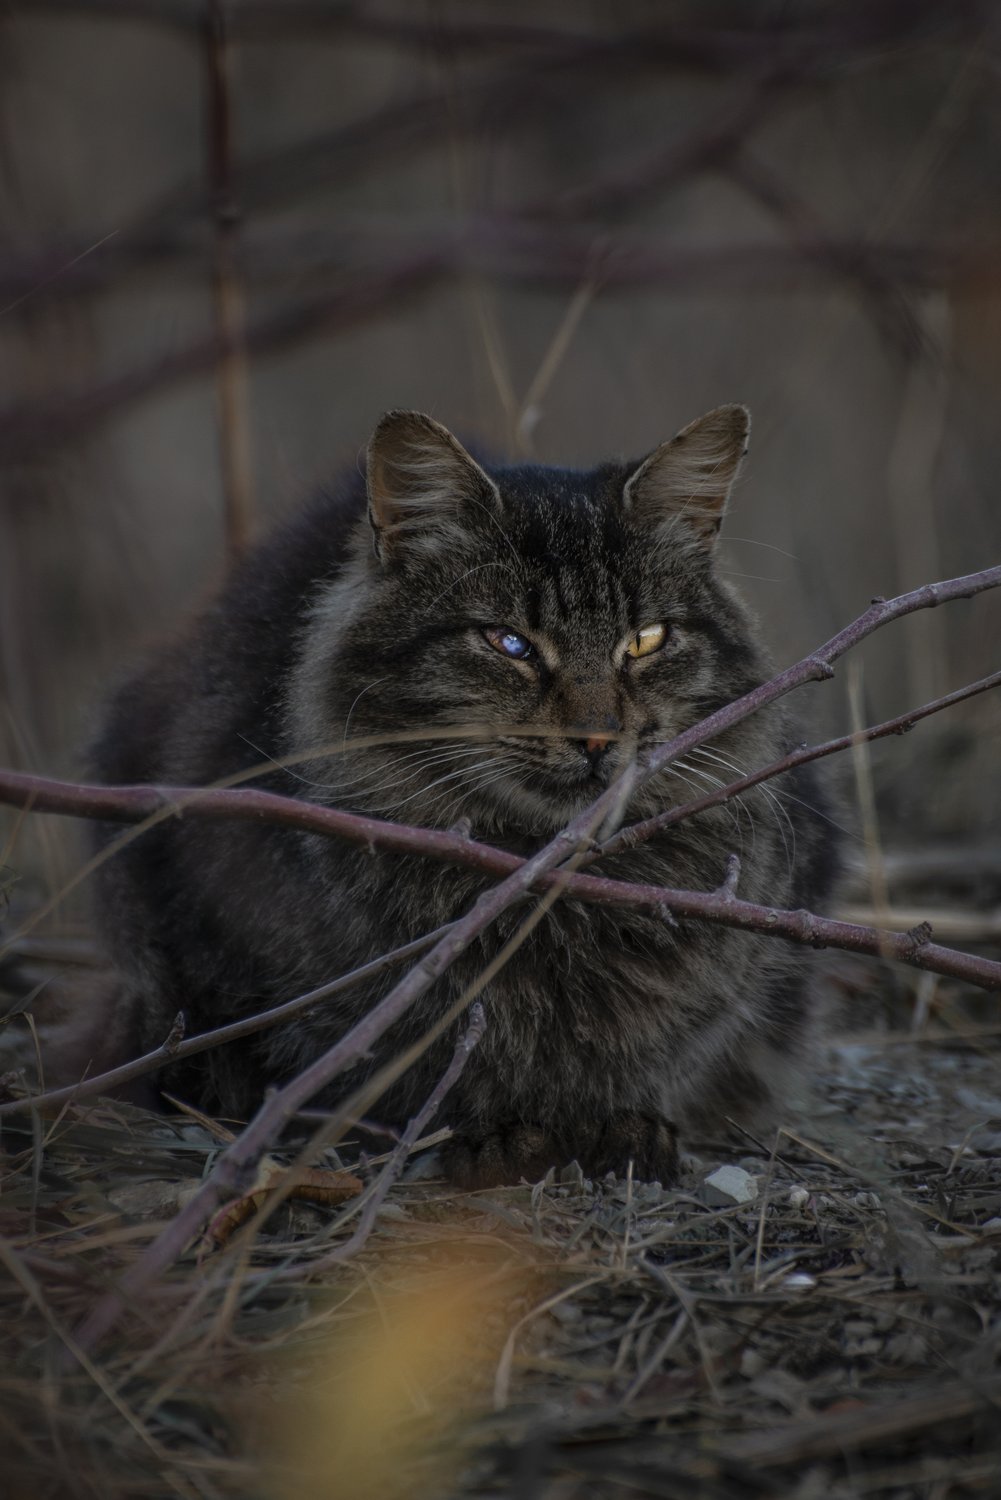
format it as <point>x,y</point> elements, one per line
<point>913,948</point>
<point>637,833</point>
<point>802,927</point>
<point>236,1165</point>
<point>839,1432</point>
<point>398,1159</point>
<point>174,1049</point>
<point>135,803</point>
<point>818,666</point>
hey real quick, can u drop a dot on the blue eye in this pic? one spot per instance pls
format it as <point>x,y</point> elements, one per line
<point>509,643</point>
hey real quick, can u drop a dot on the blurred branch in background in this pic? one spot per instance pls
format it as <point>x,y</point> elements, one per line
<point>764,65</point>
<point>509,255</point>
<point>231,374</point>
<point>796,208</point>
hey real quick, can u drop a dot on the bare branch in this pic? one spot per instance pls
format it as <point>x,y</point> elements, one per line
<point>133,804</point>
<point>637,833</point>
<point>818,666</point>
<point>236,1164</point>
<point>511,247</point>
<point>174,1048</point>
<point>366,283</point>
<point>398,1160</point>
<point>228,299</point>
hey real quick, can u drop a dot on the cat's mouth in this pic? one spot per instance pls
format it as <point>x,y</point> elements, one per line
<point>562,783</point>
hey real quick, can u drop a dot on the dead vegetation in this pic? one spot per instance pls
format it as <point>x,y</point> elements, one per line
<point>835,1334</point>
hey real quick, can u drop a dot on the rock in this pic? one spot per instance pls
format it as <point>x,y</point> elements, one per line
<point>751,1364</point>
<point>729,1185</point>
<point>571,1175</point>
<point>799,1281</point>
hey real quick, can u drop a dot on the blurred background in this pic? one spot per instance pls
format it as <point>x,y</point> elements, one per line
<point>234,234</point>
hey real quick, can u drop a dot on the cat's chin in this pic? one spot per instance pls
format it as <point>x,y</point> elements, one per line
<point>538,807</point>
<point>534,807</point>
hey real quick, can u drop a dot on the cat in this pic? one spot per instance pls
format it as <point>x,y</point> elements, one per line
<point>558,621</point>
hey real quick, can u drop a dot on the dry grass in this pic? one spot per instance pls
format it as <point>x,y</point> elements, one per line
<point>837,1336</point>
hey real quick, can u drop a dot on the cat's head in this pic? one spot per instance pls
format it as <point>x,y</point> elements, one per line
<point>558,621</point>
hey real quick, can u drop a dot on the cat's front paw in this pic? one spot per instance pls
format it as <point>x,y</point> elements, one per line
<point>500,1156</point>
<point>648,1141</point>
<point>510,1152</point>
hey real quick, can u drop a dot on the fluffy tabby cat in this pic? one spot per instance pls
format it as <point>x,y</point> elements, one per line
<point>570,618</point>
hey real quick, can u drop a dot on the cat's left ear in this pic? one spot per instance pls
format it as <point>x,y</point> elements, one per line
<point>686,482</point>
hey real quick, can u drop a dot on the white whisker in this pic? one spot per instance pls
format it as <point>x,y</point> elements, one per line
<point>397,770</point>
<point>371,685</point>
<point>441,781</point>
<point>352,785</point>
<point>749,541</point>
<point>347,782</point>
<point>707,777</point>
<point>454,798</point>
<point>782,819</point>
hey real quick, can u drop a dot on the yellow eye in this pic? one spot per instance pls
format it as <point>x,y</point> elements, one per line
<point>647,640</point>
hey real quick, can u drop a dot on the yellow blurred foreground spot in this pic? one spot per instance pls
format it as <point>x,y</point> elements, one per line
<point>411,1360</point>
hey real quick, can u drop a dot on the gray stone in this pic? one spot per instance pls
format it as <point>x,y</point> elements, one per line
<point>729,1185</point>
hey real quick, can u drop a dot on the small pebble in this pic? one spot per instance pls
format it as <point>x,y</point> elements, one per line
<point>799,1197</point>
<point>566,1313</point>
<point>393,1211</point>
<point>729,1185</point>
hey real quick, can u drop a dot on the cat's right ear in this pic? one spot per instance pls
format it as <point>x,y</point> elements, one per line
<point>421,482</point>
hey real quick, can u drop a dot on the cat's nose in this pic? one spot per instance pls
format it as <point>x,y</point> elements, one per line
<point>595,749</point>
<point>595,745</point>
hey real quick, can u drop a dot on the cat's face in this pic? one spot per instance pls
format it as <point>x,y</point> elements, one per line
<point>543,624</point>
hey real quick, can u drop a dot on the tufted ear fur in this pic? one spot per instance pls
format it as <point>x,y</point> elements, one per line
<point>420,481</point>
<point>686,482</point>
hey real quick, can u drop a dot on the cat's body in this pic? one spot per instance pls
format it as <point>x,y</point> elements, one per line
<point>570,619</point>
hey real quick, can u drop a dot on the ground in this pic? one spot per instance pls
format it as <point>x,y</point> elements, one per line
<point>836,1334</point>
